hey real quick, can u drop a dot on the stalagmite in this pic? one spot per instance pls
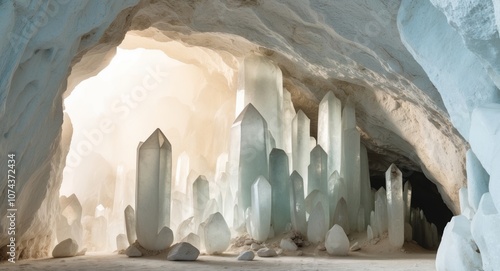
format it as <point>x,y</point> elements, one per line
<point>153,188</point>
<point>248,154</point>
<point>297,204</point>
<point>330,130</point>
<point>300,146</point>
<point>261,209</point>
<point>280,186</point>
<point>395,206</point>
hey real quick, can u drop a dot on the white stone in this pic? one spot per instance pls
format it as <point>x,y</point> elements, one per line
<point>288,245</point>
<point>246,255</point>
<point>457,250</point>
<point>133,251</point>
<point>216,234</point>
<point>66,248</point>
<point>183,252</point>
<point>266,252</point>
<point>255,246</point>
<point>336,241</point>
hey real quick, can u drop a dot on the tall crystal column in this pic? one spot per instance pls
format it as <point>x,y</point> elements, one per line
<point>336,190</point>
<point>248,154</point>
<point>395,206</point>
<point>261,211</point>
<point>288,115</point>
<point>201,196</point>
<point>317,171</point>
<point>407,200</point>
<point>182,172</point>
<point>330,130</point>
<point>297,204</point>
<point>260,83</point>
<point>153,189</point>
<point>300,146</point>
<point>351,162</point>
<point>366,190</point>
<point>278,177</point>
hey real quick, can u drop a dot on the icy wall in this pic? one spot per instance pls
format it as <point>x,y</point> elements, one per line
<point>414,70</point>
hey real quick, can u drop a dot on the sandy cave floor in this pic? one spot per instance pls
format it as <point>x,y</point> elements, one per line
<point>379,256</point>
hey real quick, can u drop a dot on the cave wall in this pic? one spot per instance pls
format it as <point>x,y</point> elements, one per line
<point>377,54</point>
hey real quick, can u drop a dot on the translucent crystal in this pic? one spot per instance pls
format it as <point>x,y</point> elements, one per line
<point>280,186</point>
<point>153,189</point>
<point>288,115</point>
<point>351,169</point>
<point>193,239</point>
<point>341,216</point>
<point>477,179</point>
<point>367,201</point>
<point>407,200</point>
<point>317,170</point>
<point>330,130</point>
<point>336,242</point>
<point>216,234</point>
<point>260,83</point>
<point>395,206</point>
<point>300,146</point>
<point>69,222</point>
<point>182,172</point>
<point>381,210</point>
<point>200,198</point>
<point>374,224</point>
<point>316,225</point>
<point>211,208</point>
<point>313,199</point>
<point>369,233</point>
<point>336,190</point>
<point>248,154</point>
<point>130,224</point>
<point>297,204</point>
<point>484,228</point>
<point>261,209</point>
<point>99,233</point>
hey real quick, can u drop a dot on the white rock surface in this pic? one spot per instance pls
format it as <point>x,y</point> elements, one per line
<point>267,252</point>
<point>133,251</point>
<point>288,245</point>
<point>457,250</point>
<point>246,255</point>
<point>336,241</point>
<point>66,248</point>
<point>183,252</point>
<point>217,236</point>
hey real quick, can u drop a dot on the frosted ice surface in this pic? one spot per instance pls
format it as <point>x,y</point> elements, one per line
<point>483,137</point>
<point>477,179</point>
<point>300,146</point>
<point>395,206</point>
<point>216,234</point>
<point>463,198</point>
<point>297,203</point>
<point>484,228</point>
<point>153,191</point>
<point>280,186</point>
<point>316,225</point>
<point>261,209</point>
<point>336,241</point>
<point>458,251</point>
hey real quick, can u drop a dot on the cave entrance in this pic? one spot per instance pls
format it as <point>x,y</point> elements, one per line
<point>140,90</point>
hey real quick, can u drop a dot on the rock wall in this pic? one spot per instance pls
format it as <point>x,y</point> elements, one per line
<point>414,70</point>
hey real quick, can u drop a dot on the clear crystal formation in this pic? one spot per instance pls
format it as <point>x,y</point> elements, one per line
<point>153,189</point>
<point>250,189</point>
